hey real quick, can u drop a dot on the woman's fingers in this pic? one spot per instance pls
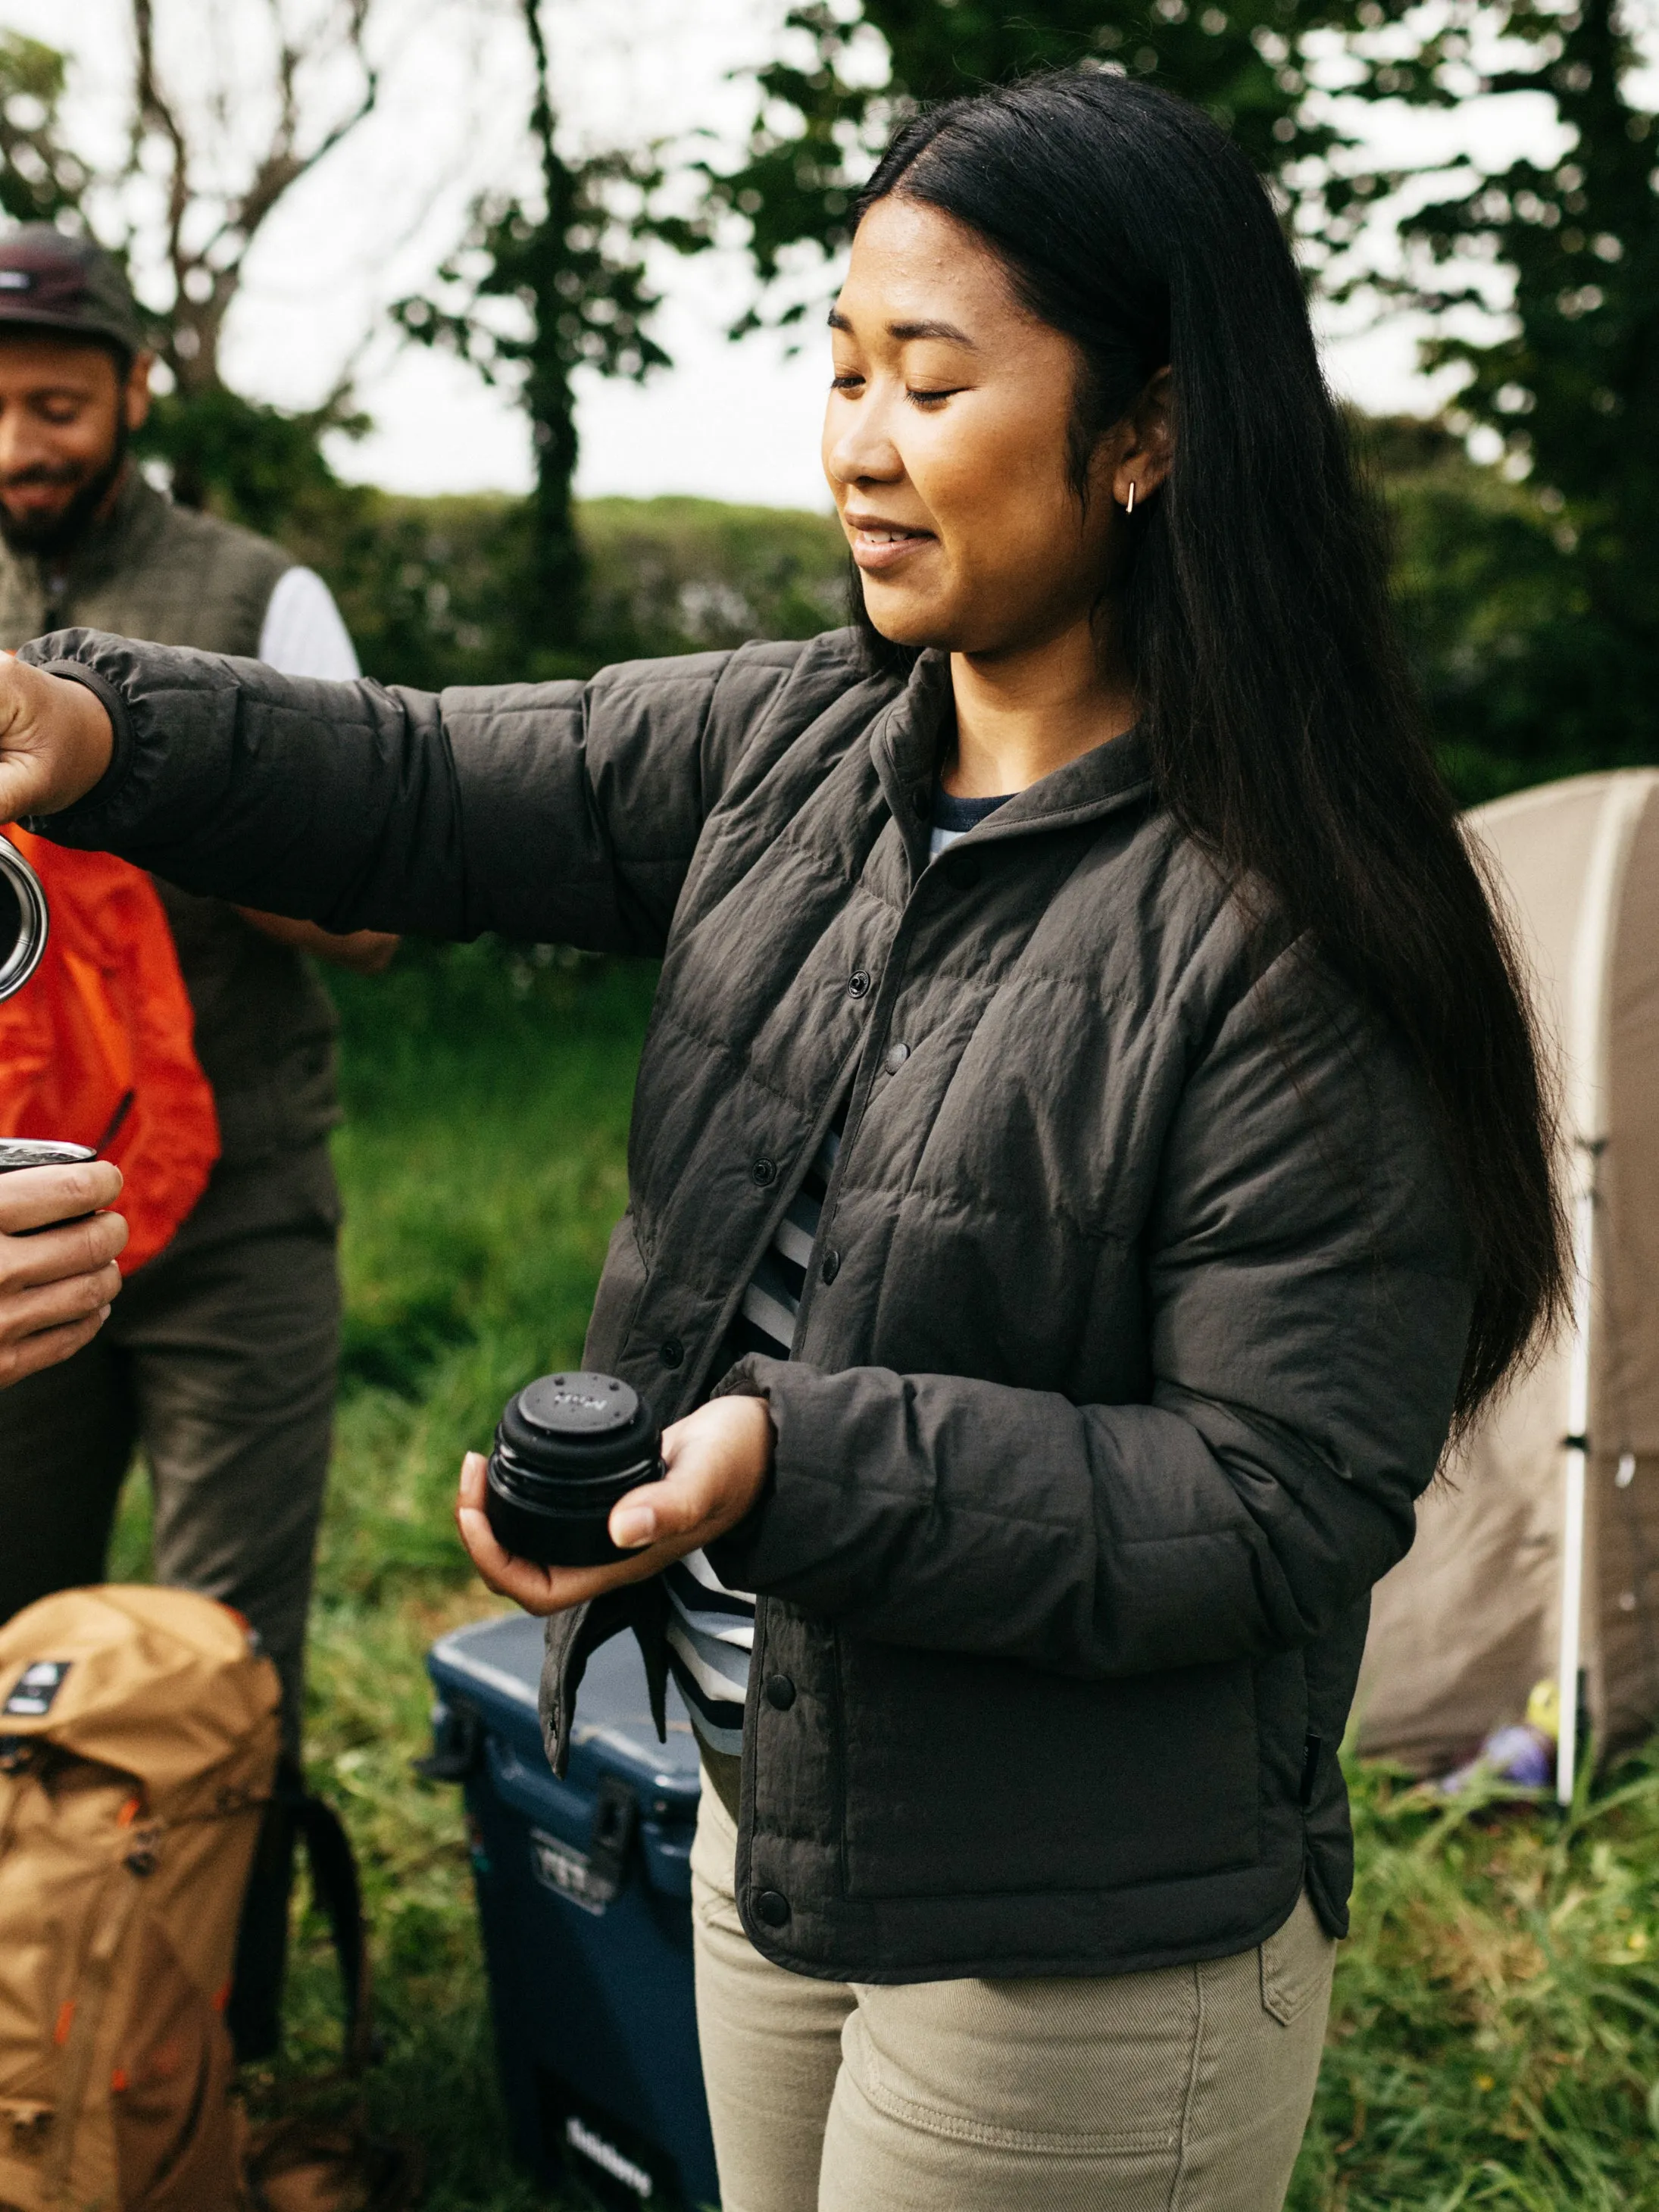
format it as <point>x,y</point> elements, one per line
<point>673,1507</point>
<point>537,1589</point>
<point>716,1460</point>
<point>510,1578</point>
<point>715,1464</point>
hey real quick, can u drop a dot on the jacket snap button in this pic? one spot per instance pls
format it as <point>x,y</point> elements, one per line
<point>830,1265</point>
<point>780,1692</point>
<point>671,1352</point>
<point>896,1055</point>
<point>858,981</point>
<point>765,1173</point>
<point>772,1909</point>
<point>961,869</point>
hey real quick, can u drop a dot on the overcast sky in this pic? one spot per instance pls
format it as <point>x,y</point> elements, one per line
<point>732,421</point>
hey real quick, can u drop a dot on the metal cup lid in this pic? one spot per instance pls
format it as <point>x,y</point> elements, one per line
<point>40,1152</point>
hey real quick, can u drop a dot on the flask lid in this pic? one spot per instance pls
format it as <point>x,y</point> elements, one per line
<point>577,1423</point>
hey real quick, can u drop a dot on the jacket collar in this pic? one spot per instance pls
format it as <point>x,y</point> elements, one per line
<point>906,742</point>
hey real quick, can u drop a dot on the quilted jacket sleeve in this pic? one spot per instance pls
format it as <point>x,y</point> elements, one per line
<point>565,812</point>
<point>1307,1280</point>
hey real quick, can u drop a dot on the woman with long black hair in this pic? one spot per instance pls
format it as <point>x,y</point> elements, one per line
<point>1088,1154</point>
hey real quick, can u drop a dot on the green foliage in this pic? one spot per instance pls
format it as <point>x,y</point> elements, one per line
<point>1485,592</point>
<point>427,585</point>
<point>685,575</point>
<point>1568,379</point>
<point>827,109</point>
<point>252,463</point>
<point>573,272</point>
<point>40,178</point>
<point>1495,2031</point>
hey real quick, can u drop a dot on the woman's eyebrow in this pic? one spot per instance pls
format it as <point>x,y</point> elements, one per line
<point>906,332</point>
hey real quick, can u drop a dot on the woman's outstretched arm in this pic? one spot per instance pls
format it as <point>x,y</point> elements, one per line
<point>565,812</point>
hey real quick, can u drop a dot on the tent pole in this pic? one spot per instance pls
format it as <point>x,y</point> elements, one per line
<point>1587,1009</point>
<point>1573,1481</point>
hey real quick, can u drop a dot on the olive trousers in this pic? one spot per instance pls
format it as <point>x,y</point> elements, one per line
<point>1182,2090</point>
<point>219,1358</point>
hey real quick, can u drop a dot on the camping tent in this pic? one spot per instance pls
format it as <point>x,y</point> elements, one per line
<point>1537,1554</point>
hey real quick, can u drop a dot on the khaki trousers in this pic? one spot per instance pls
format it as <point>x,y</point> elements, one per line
<point>1183,2090</point>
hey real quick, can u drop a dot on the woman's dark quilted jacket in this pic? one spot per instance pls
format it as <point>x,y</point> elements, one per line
<point>1138,1305</point>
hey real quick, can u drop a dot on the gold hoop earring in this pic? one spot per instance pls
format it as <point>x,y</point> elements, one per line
<point>1129,503</point>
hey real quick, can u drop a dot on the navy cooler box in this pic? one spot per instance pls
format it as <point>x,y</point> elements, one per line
<point>585,1894</point>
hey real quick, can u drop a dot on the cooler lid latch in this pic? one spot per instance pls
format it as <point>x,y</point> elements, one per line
<point>457,1745</point>
<point>616,1816</point>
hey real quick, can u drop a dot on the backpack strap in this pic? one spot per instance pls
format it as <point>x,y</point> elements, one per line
<point>335,1886</point>
<point>254,2014</point>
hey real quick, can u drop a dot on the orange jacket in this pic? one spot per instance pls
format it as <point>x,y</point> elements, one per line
<point>98,1046</point>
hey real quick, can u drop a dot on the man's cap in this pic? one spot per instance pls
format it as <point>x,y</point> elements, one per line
<point>50,281</point>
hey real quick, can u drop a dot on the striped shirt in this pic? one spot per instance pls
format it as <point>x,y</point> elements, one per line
<point>711,1629</point>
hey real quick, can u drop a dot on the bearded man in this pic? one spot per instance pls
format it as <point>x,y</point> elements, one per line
<point>219,1356</point>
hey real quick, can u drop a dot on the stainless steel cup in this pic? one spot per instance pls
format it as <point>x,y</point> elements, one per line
<point>23,920</point>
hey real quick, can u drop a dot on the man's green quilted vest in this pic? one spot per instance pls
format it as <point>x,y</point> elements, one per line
<point>265,1026</point>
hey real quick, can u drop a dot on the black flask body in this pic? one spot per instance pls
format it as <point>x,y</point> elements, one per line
<point>568,1446</point>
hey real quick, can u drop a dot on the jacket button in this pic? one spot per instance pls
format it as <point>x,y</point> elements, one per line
<point>961,871</point>
<point>896,1054</point>
<point>671,1352</point>
<point>765,1173</point>
<point>772,1909</point>
<point>858,981</point>
<point>780,1692</point>
<point>830,1265</point>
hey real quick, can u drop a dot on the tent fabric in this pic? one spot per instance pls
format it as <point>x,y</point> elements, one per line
<point>1471,1620</point>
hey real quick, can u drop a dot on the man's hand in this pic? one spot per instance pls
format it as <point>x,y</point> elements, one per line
<point>364,951</point>
<point>717,1461</point>
<point>55,741</point>
<point>55,1286</point>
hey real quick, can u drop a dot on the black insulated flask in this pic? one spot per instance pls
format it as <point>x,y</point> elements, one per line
<point>568,1448</point>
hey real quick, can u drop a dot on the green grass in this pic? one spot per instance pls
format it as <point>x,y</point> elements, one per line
<point>1495,2038</point>
<point>1495,2033</point>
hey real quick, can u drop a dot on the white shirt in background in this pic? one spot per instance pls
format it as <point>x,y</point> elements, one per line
<point>302,634</point>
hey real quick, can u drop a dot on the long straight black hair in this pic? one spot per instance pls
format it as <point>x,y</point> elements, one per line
<point>1284,729</point>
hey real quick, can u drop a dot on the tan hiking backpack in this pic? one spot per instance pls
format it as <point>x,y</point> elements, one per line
<point>138,1745</point>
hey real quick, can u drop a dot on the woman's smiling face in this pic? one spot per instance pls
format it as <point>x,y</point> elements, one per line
<point>946,444</point>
